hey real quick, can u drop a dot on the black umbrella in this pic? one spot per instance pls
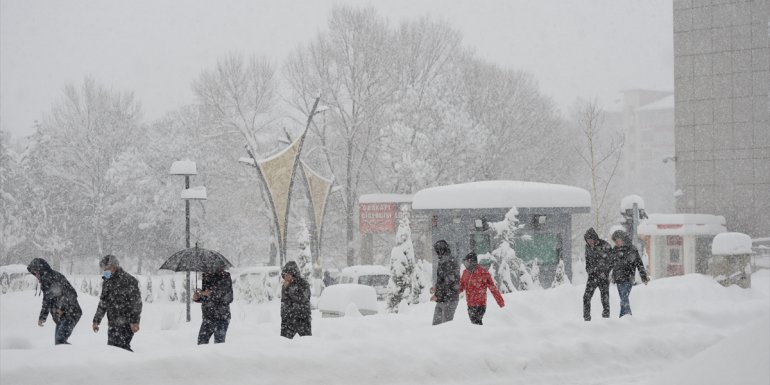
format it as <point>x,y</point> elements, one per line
<point>196,259</point>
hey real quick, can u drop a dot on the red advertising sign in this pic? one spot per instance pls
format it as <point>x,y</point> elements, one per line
<point>377,217</point>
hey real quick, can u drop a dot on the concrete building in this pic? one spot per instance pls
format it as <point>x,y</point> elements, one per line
<point>646,119</point>
<point>722,124</point>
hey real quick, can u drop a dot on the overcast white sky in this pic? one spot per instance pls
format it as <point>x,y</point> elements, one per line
<point>156,48</point>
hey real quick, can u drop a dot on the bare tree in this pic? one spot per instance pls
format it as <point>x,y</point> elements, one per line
<point>351,65</point>
<point>239,97</point>
<point>600,151</point>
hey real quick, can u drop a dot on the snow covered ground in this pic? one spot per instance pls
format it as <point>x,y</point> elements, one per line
<point>686,330</point>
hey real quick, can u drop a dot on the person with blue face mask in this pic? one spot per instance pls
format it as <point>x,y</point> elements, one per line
<point>121,301</point>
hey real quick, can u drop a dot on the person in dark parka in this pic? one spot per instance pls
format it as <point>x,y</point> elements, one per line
<point>295,302</point>
<point>59,298</point>
<point>121,301</point>
<point>625,261</point>
<point>215,297</point>
<point>446,292</point>
<point>598,265</point>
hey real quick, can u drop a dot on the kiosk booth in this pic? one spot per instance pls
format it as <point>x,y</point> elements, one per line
<point>679,244</point>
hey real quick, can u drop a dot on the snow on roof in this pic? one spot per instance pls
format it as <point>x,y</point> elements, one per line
<point>183,167</point>
<point>385,198</point>
<point>682,224</point>
<point>500,194</point>
<point>196,193</point>
<point>248,161</point>
<point>666,103</point>
<point>365,270</point>
<point>628,202</point>
<point>337,298</point>
<point>731,244</point>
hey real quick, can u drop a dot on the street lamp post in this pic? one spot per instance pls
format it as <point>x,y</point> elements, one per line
<point>187,168</point>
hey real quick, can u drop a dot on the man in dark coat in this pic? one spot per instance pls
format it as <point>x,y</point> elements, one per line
<point>598,266</point>
<point>121,300</point>
<point>215,297</point>
<point>59,298</point>
<point>446,292</point>
<point>625,262</point>
<point>295,302</point>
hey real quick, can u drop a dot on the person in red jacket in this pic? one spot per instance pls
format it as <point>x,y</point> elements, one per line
<point>475,282</point>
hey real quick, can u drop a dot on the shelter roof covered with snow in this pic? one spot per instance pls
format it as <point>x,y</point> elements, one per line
<point>385,198</point>
<point>501,194</point>
<point>682,224</point>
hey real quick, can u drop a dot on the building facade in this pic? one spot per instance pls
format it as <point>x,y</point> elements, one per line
<point>722,114</point>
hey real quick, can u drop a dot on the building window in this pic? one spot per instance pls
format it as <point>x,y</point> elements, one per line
<point>480,243</point>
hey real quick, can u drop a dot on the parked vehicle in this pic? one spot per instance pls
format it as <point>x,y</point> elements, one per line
<point>344,299</point>
<point>370,275</point>
<point>15,278</point>
<point>258,284</point>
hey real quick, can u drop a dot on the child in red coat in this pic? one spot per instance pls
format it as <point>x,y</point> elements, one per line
<point>475,282</point>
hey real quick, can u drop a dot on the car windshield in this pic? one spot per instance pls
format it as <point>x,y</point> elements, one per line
<point>374,280</point>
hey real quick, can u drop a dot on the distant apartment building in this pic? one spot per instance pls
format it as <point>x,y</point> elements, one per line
<point>722,113</point>
<point>646,119</point>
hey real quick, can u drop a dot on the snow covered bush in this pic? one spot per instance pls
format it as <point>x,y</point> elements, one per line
<point>535,273</point>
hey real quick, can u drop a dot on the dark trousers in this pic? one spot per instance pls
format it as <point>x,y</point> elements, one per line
<point>290,329</point>
<point>477,314</point>
<point>120,336</point>
<point>216,327</point>
<point>64,328</point>
<point>624,290</point>
<point>444,312</point>
<point>603,285</point>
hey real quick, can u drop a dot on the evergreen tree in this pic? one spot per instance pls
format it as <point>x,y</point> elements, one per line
<point>535,273</point>
<point>560,278</point>
<point>401,267</point>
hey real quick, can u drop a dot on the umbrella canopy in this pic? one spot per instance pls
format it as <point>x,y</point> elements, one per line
<point>196,259</point>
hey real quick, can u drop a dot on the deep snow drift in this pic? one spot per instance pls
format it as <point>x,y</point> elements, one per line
<point>685,330</point>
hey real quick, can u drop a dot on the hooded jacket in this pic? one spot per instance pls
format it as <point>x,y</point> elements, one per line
<point>475,282</point>
<point>295,298</point>
<point>447,275</point>
<point>58,294</point>
<point>121,300</point>
<point>598,261</point>
<point>216,305</point>
<point>625,260</point>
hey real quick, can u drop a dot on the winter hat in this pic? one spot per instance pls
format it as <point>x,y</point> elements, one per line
<point>441,248</point>
<point>472,257</point>
<point>291,268</point>
<point>38,265</point>
<point>591,234</point>
<point>108,261</point>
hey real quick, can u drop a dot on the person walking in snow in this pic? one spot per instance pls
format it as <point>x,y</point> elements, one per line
<point>598,269</point>
<point>121,301</point>
<point>446,290</point>
<point>625,261</point>
<point>475,281</point>
<point>295,302</point>
<point>215,297</point>
<point>59,298</point>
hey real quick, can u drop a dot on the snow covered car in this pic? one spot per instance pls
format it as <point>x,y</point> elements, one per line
<point>347,299</point>
<point>258,284</point>
<point>15,278</point>
<point>370,275</point>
